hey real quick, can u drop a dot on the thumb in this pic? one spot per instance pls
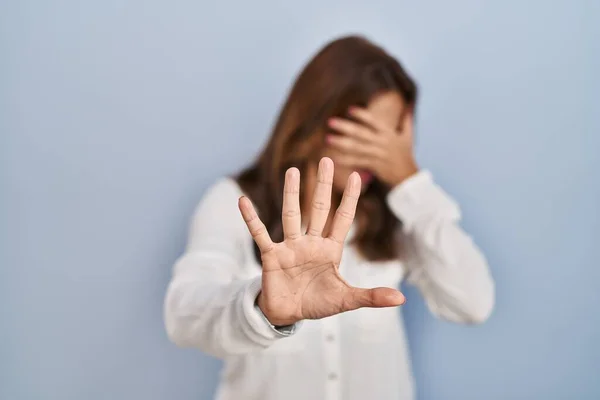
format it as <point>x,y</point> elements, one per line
<point>376,298</point>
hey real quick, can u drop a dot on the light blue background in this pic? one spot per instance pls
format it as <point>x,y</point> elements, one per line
<point>116,115</point>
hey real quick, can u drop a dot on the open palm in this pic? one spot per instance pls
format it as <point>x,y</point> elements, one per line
<point>300,278</point>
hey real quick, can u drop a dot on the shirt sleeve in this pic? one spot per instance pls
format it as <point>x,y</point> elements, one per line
<point>210,301</point>
<point>441,258</point>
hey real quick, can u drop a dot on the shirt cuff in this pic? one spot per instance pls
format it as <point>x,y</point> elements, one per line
<point>284,330</point>
<point>257,325</point>
<point>420,197</point>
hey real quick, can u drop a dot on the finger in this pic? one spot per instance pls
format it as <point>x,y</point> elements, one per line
<point>344,215</point>
<point>373,298</point>
<point>351,145</point>
<point>352,129</point>
<point>321,202</point>
<point>255,225</point>
<point>290,214</point>
<point>367,118</point>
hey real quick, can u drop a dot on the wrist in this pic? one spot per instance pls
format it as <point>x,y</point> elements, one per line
<point>266,310</point>
<point>409,170</point>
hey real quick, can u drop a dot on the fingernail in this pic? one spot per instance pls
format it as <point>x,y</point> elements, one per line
<point>397,298</point>
<point>329,138</point>
<point>331,121</point>
<point>352,109</point>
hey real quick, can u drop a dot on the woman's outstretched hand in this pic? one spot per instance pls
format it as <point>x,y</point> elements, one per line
<point>300,277</point>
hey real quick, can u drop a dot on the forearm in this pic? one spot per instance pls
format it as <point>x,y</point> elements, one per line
<point>451,273</point>
<point>219,318</point>
<point>442,259</point>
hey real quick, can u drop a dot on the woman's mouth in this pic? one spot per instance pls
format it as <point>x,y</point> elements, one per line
<point>365,177</point>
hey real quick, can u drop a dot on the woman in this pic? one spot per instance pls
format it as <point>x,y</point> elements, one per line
<point>308,311</point>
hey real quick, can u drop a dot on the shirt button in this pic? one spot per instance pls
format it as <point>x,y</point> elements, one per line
<point>330,338</point>
<point>332,376</point>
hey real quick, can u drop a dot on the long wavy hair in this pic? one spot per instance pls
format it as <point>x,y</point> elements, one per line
<point>347,71</point>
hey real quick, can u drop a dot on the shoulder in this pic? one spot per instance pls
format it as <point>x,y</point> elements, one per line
<point>218,207</point>
<point>222,193</point>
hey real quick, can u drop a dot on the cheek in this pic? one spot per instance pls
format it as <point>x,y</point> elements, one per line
<point>334,155</point>
<point>340,178</point>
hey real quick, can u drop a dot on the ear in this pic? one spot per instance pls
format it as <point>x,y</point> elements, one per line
<point>406,126</point>
<point>406,113</point>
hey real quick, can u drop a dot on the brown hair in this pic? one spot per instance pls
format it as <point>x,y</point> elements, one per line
<point>347,71</point>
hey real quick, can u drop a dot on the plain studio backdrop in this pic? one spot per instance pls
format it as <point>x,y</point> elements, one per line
<point>115,116</point>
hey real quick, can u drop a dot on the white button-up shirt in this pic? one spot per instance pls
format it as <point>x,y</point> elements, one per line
<point>357,355</point>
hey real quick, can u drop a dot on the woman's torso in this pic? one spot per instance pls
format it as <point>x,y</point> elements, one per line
<point>356,355</point>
